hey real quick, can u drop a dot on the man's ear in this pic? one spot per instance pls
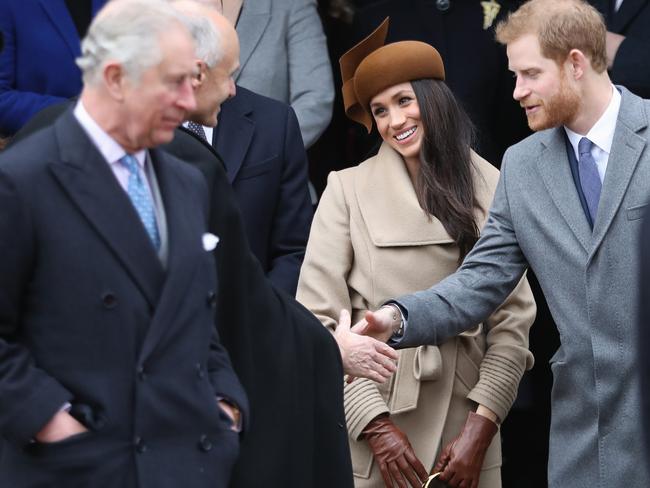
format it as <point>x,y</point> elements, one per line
<point>200,74</point>
<point>578,63</point>
<point>114,79</point>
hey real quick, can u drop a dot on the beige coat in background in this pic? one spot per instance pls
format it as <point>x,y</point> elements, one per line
<point>370,241</point>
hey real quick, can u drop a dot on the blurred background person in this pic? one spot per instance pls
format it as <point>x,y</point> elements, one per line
<point>418,206</point>
<point>37,66</point>
<point>284,56</point>
<point>628,42</point>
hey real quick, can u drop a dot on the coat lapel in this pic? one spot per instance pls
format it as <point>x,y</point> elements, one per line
<point>96,6</point>
<point>389,206</point>
<point>254,19</point>
<point>553,165</point>
<point>627,147</point>
<point>627,12</point>
<point>91,185</point>
<point>234,133</point>
<point>183,240</point>
<point>58,14</point>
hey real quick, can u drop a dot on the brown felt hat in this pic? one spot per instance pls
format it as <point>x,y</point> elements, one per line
<point>370,67</point>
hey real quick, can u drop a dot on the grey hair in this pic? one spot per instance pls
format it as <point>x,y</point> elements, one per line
<point>127,31</point>
<point>207,39</point>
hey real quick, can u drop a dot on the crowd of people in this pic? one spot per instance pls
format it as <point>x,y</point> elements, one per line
<point>295,243</point>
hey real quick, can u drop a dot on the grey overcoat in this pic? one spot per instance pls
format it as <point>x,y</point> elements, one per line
<point>589,282</point>
<point>284,56</point>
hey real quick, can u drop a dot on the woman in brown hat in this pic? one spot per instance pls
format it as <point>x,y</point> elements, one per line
<point>400,222</point>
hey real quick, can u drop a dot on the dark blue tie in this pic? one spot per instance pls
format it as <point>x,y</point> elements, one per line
<point>589,178</point>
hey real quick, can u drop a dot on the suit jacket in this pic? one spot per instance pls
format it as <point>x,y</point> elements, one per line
<point>632,20</point>
<point>37,66</point>
<point>259,140</point>
<point>288,363</point>
<point>368,227</point>
<point>537,220</point>
<point>90,316</point>
<point>284,56</point>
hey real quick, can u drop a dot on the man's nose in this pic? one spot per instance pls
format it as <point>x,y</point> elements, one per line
<point>521,91</point>
<point>186,100</point>
<point>233,89</point>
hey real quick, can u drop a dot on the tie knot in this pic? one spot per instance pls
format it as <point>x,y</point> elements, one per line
<point>129,161</point>
<point>584,146</point>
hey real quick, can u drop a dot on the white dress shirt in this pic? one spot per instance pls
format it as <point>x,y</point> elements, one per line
<point>601,134</point>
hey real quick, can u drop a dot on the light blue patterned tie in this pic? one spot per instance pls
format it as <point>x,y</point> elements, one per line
<point>141,199</point>
<point>589,178</point>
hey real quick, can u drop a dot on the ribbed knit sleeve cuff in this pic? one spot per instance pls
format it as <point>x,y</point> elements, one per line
<point>497,385</point>
<point>362,402</point>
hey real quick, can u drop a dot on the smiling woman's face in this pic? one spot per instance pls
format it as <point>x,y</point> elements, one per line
<point>397,115</point>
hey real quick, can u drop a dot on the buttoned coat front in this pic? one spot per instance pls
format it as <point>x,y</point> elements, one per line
<point>370,240</point>
<point>91,316</point>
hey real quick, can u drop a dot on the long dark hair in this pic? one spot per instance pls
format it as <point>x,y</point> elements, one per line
<point>444,185</point>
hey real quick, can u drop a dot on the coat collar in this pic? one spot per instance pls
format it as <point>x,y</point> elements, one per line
<point>623,159</point>
<point>627,146</point>
<point>90,184</point>
<point>390,208</point>
<point>234,132</point>
<point>253,20</point>
<point>184,239</point>
<point>58,13</point>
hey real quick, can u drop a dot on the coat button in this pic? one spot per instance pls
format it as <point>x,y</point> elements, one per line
<point>205,444</point>
<point>443,5</point>
<point>200,372</point>
<point>141,373</point>
<point>109,300</point>
<point>140,446</point>
<point>211,299</point>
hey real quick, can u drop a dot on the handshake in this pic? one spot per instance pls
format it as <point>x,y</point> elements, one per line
<point>365,354</point>
<point>364,351</point>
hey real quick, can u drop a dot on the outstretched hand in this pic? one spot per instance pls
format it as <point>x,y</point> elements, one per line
<point>362,356</point>
<point>378,324</point>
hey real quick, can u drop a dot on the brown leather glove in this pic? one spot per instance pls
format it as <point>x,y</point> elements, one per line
<point>461,460</point>
<point>394,454</point>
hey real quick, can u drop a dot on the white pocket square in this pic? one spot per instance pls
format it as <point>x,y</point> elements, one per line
<point>210,241</point>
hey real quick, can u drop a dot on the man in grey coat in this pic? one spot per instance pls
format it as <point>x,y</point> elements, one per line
<point>569,204</point>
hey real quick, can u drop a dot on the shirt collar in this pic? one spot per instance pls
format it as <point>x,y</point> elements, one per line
<point>106,145</point>
<point>602,132</point>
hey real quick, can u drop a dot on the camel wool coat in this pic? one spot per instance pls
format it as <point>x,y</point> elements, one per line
<point>370,240</point>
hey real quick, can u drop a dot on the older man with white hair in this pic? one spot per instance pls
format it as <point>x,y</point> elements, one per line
<point>112,374</point>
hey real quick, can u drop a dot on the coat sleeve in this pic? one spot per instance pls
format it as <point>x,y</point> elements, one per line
<point>311,87</point>
<point>16,106</point>
<point>323,289</point>
<point>489,273</point>
<point>507,355</point>
<point>293,213</point>
<point>29,397</point>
